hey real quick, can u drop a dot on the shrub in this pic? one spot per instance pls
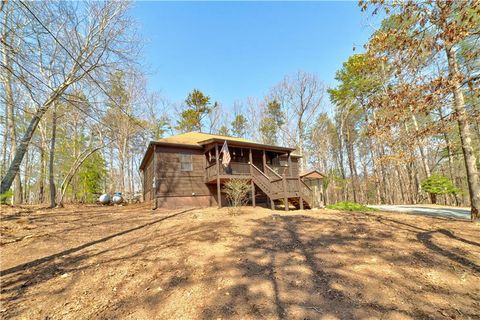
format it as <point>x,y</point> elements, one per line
<point>236,191</point>
<point>6,197</point>
<point>350,206</point>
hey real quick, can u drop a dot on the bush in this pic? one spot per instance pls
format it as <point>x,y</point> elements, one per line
<point>6,197</point>
<point>237,191</point>
<point>350,206</point>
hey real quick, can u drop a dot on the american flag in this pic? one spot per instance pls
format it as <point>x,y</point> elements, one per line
<point>226,155</point>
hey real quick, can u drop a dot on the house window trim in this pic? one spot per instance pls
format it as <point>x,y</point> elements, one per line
<point>186,158</point>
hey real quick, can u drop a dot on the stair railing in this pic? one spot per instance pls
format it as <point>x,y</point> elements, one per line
<point>272,172</point>
<point>307,192</point>
<point>272,187</point>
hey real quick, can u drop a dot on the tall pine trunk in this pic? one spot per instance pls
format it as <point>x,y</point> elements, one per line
<point>352,166</point>
<point>419,141</point>
<point>4,142</point>
<point>465,135</point>
<point>41,190</point>
<point>51,177</point>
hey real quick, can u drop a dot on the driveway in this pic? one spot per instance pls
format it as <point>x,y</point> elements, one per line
<point>426,210</point>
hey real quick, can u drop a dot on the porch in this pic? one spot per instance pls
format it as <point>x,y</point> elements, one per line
<point>270,171</point>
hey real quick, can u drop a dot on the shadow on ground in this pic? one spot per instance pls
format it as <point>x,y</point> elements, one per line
<point>264,266</point>
<point>303,267</point>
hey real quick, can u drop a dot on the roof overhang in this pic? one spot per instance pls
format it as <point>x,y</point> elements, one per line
<point>201,145</point>
<point>248,144</point>
<point>165,144</point>
<point>313,174</point>
<point>176,145</point>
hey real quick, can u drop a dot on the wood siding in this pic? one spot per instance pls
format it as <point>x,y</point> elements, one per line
<point>179,188</point>
<point>148,179</point>
<point>173,181</point>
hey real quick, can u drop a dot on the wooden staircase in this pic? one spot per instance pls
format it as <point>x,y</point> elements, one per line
<point>292,190</point>
<point>296,203</point>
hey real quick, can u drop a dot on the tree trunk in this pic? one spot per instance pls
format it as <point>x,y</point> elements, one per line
<point>465,135</point>
<point>111,186</point>
<point>51,177</point>
<point>423,157</point>
<point>26,178</point>
<point>365,182</point>
<point>132,191</point>
<point>41,185</point>
<point>412,187</point>
<point>433,198</point>
<point>27,136</point>
<point>351,163</point>
<point>451,170</point>
<point>9,102</point>
<point>4,142</point>
<point>400,183</point>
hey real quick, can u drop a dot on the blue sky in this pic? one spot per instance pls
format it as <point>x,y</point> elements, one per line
<point>235,50</point>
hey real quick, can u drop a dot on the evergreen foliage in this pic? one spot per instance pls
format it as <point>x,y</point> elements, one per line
<point>239,126</point>
<point>271,122</point>
<point>198,106</point>
<point>438,185</point>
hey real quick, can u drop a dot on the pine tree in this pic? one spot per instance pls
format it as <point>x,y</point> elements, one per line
<point>272,120</point>
<point>198,107</point>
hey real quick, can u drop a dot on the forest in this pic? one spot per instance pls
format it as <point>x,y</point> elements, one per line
<point>401,125</point>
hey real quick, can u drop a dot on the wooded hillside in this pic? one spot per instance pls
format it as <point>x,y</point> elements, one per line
<point>402,124</point>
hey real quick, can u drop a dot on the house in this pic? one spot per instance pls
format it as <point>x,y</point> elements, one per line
<point>187,170</point>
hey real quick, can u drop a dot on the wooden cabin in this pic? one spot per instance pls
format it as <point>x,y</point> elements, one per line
<point>186,170</point>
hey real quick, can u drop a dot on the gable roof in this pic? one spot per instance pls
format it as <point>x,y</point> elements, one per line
<point>313,174</point>
<point>195,138</point>
<point>198,140</point>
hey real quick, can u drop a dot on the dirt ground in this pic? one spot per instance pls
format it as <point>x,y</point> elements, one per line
<point>133,263</point>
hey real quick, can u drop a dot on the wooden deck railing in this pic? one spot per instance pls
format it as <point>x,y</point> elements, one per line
<point>274,185</point>
<point>263,181</point>
<point>235,168</point>
<point>292,185</point>
<point>211,172</point>
<point>279,170</point>
<point>307,192</point>
<point>238,168</point>
<point>271,173</point>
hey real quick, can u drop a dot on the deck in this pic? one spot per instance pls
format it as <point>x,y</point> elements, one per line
<point>288,189</point>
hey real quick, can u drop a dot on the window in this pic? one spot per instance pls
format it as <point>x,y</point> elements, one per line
<point>186,163</point>
<point>283,163</point>
<point>279,162</point>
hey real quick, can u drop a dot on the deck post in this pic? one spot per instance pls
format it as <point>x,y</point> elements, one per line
<point>144,184</point>
<point>264,160</point>
<point>155,178</point>
<point>251,176</point>
<point>290,172</point>
<point>285,185</point>
<point>300,192</point>
<point>205,166</point>
<point>219,194</point>
<point>322,201</point>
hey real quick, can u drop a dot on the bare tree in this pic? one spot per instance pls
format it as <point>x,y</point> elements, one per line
<point>87,39</point>
<point>301,96</point>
